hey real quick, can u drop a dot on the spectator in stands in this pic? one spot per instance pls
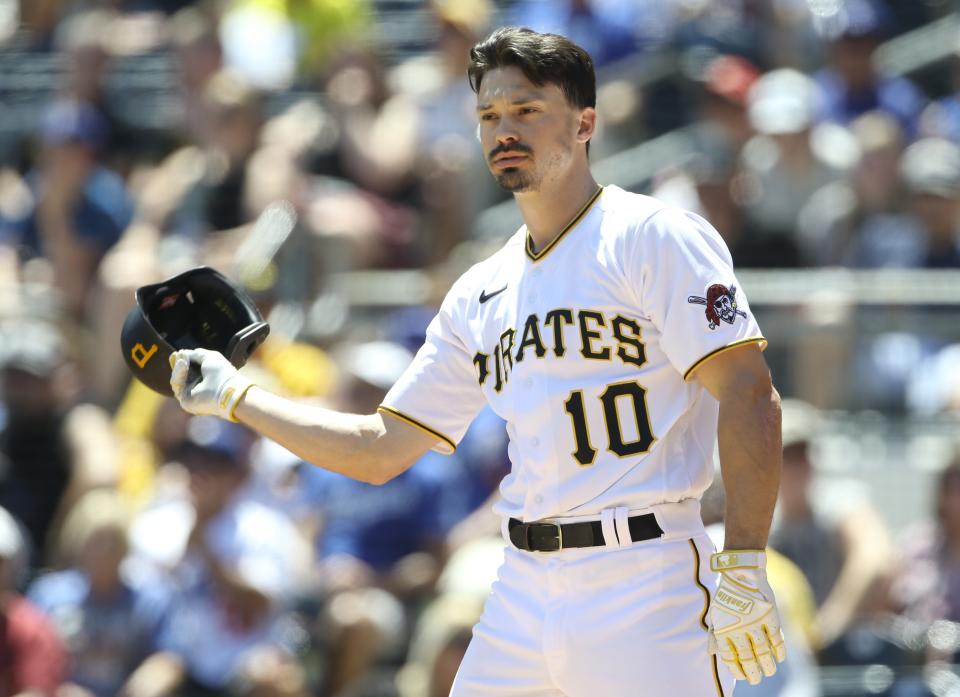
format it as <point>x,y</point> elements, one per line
<point>941,118</point>
<point>850,82</point>
<point>922,232</point>
<point>438,645</point>
<point>928,235</point>
<point>233,563</point>
<point>877,637</point>
<point>931,171</point>
<point>87,48</point>
<point>80,209</point>
<point>218,200</point>
<point>868,204</point>
<point>926,586</point>
<point>603,29</point>
<point>109,621</point>
<point>827,527</point>
<point>738,27</point>
<point>53,448</point>
<point>32,657</point>
<point>905,619</point>
<point>788,161</point>
<point>435,79</point>
<point>377,145</point>
<point>365,192</point>
<point>193,34</point>
<point>727,81</point>
<point>87,57</point>
<point>456,188</point>
<point>712,184</point>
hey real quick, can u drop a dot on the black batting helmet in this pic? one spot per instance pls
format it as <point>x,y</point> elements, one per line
<point>199,308</point>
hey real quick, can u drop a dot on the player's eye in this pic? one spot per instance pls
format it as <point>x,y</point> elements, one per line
<point>487,117</point>
<point>527,110</point>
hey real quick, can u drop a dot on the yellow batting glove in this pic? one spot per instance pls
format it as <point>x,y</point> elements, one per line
<point>746,625</point>
<point>214,387</point>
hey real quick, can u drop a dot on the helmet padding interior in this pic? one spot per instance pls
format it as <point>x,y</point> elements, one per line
<point>197,311</point>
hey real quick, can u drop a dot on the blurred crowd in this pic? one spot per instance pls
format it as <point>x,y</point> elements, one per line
<point>145,553</point>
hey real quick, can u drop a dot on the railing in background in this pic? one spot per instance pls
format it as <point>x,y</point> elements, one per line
<point>774,287</point>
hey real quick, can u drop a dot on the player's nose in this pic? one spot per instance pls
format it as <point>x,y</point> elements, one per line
<point>506,131</point>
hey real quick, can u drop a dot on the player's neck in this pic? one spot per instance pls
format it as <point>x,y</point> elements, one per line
<point>548,211</point>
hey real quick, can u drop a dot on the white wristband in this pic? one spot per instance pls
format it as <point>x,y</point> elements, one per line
<point>230,394</point>
<point>728,560</point>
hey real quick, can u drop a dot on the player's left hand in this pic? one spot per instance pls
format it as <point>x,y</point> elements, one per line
<point>746,626</point>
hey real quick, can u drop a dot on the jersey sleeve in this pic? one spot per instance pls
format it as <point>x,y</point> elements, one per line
<point>688,289</point>
<point>439,392</point>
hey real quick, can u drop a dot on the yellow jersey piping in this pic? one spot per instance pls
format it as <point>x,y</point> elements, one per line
<point>706,609</point>
<point>716,352</point>
<point>537,256</point>
<point>418,424</point>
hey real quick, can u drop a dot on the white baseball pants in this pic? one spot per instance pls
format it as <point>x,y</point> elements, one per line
<point>613,621</point>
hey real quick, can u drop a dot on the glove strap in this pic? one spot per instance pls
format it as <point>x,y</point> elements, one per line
<point>730,559</point>
<point>230,394</point>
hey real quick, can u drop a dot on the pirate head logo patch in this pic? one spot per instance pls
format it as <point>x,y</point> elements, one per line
<point>721,304</point>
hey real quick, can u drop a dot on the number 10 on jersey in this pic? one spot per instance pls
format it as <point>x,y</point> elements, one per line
<point>612,400</point>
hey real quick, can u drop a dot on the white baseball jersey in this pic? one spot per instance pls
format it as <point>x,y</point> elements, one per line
<point>586,348</point>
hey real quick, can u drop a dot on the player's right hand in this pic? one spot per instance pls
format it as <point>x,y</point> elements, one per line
<point>214,387</point>
<point>746,624</point>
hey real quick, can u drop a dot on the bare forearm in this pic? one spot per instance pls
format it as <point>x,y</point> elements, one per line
<point>73,262</point>
<point>866,557</point>
<point>373,448</point>
<point>349,444</point>
<point>750,457</point>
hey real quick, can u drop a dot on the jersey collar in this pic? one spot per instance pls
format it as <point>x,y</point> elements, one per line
<point>537,256</point>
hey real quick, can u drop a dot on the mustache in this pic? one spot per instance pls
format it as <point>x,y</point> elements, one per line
<point>509,147</point>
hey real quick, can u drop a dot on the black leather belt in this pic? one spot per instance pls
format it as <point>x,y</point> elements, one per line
<point>552,537</point>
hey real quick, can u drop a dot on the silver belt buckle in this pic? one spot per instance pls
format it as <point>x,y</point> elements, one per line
<point>558,536</point>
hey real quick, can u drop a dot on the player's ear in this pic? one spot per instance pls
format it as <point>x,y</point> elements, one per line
<point>587,124</point>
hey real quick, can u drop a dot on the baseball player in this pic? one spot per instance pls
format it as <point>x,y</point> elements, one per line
<point>611,334</point>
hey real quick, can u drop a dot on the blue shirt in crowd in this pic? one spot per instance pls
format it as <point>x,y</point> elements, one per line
<point>107,638</point>
<point>382,524</point>
<point>102,213</point>
<point>895,96</point>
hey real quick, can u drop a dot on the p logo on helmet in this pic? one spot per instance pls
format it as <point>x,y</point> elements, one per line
<point>199,308</point>
<point>140,355</point>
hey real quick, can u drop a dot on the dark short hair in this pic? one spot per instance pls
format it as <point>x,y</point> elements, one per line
<point>543,59</point>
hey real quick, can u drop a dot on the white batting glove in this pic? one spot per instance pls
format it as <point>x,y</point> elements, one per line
<point>746,625</point>
<point>216,391</point>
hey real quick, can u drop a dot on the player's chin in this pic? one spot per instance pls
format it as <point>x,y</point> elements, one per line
<point>513,180</point>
